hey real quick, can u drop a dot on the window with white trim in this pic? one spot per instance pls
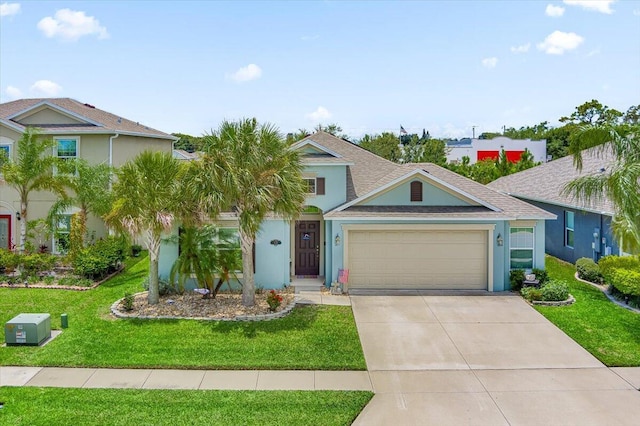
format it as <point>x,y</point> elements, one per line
<point>311,185</point>
<point>521,246</point>
<point>66,148</point>
<point>62,229</point>
<point>6,145</point>
<point>569,223</point>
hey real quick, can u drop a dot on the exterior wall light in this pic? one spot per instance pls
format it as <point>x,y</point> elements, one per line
<point>499,240</point>
<point>337,239</point>
<point>18,216</point>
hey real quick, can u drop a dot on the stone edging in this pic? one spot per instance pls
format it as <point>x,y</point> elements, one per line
<point>265,317</point>
<point>65,287</point>
<point>601,287</point>
<point>604,288</point>
<point>570,301</point>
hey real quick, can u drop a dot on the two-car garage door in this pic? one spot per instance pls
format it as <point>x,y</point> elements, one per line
<point>418,259</point>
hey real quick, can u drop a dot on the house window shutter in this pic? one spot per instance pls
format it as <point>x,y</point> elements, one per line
<point>320,186</point>
<point>416,191</point>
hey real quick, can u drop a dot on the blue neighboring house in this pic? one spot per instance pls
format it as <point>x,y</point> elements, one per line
<point>392,226</point>
<point>581,229</point>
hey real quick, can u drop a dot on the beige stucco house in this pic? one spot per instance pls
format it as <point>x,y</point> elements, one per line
<point>79,130</point>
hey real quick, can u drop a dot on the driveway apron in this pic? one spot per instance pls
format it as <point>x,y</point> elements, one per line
<point>486,360</point>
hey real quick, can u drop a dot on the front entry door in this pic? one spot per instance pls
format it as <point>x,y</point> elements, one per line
<point>308,247</point>
<point>5,231</point>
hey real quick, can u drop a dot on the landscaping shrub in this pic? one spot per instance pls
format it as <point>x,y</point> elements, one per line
<point>633,301</point>
<point>531,293</point>
<point>8,260</point>
<point>626,281</point>
<point>165,288</point>
<point>609,263</point>
<point>128,301</point>
<point>541,275</point>
<point>97,261</point>
<point>36,263</point>
<point>516,277</point>
<point>555,291</point>
<point>588,270</point>
<point>135,250</point>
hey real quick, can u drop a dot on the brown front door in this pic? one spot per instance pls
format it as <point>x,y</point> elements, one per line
<point>308,247</point>
<point>5,231</point>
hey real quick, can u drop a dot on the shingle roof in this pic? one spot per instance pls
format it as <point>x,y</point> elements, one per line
<point>370,172</point>
<point>546,182</point>
<point>106,122</point>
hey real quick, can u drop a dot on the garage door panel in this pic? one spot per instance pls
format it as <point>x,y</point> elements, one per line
<point>447,259</point>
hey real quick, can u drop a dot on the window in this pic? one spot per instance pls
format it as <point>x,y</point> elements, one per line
<point>521,247</point>
<point>311,185</point>
<point>5,150</point>
<point>416,191</point>
<point>61,235</point>
<point>66,148</point>
<point>568,228</point>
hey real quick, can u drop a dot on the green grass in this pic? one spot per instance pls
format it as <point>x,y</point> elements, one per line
<point>313,337</point>
<point>609,332</point>
<point>49,406</point>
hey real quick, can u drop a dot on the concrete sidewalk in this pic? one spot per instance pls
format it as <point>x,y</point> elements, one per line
<point>184,379</point>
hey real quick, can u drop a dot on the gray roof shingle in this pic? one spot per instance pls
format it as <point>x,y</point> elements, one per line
<point>546,182</point>
<point>369,172</point>
<point>107,122</point>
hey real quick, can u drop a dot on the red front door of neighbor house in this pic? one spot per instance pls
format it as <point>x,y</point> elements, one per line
<point>308,247</point>
<point>5,231</point>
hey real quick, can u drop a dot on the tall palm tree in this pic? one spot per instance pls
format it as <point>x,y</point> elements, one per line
<point>90,192</point>
<point>257,174</point>
<point>621,183</point>
<point>147,198</point>
<point>33,171</point>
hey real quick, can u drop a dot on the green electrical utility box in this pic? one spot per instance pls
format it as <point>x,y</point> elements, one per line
<point>28,330</point>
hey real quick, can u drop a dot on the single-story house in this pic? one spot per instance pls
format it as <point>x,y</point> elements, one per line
<point>581,229</point>
<point>79,130</point>
<point>489,149</point>
<point>392,226</point>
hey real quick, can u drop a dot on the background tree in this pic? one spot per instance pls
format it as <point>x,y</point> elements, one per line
<point>187,142</point>
<point>33,171</point>
<point>148,196</point>
<point>253,167</point>
<point>384,145</point>
<point>434,151</point>
<point>620,183</point>
<point>333,129</point>
<point>87,188</point>
<point>297,136</point>
<point>593,113</point>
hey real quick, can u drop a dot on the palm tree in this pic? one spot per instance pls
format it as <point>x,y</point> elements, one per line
<point>33,171</point>
<point>621,183</point>
<point>252,167</point>
<point>89,185</point>
<point>148,197</point>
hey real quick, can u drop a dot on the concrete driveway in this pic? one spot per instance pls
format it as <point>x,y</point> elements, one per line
<point>486,360</point>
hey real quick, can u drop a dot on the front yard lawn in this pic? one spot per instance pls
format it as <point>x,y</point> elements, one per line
<point>310,338</point>
<point>609,332</point>
<point>47,406</point>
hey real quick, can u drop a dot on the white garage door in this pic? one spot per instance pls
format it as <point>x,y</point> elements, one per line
<point>417,259</point>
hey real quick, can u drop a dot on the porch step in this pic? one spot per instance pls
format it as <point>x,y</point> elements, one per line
<point>307,284</point>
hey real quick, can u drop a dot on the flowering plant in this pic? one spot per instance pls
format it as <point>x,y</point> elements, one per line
<point>273,300</point>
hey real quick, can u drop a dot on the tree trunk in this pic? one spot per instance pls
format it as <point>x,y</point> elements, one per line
<point>23,225</point>
<point>248,285</point>
<point>154,252</point>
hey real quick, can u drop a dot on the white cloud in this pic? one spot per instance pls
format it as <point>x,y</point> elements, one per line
<point>554,11</point>
<point>9,9</point>
<point>46,88</point>
<point>248,73</point>
<point>490,62</point>
<point>602,6</point>
<point>70,25</point>
<point>523,48</point>
<point>13,92</point>
<point>321,113</point>
<point>593,53</point>
<point>558,42</point>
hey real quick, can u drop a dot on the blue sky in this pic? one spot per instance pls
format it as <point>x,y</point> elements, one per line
<point>368,66</point>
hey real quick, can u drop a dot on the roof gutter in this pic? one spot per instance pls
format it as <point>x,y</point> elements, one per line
<point>111,138</point>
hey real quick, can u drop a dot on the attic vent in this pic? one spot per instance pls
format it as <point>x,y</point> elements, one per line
<point>416,191</point>
<point>89,105</point>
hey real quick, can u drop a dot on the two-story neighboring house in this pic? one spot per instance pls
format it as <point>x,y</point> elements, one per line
<point>393,226</point>
<point>79,130</point>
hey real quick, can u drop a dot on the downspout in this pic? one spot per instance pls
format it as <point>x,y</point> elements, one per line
<point>111,138</point>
